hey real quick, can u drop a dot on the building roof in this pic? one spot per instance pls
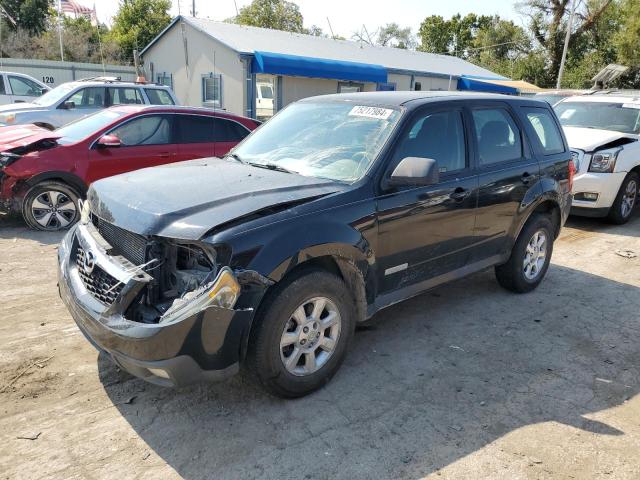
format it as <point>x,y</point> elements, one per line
<point>248,40</point>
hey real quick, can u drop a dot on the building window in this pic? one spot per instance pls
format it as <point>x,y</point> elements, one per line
<point>350,87</point>
<point>417,86</point>
<point>165,79</point>
<point>212,90</point>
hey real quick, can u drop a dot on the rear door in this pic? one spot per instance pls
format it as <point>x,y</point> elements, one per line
<point>228,133</point>
<point>425,232</point>
<point>508,171</point>
<point>146,141</point>
<point>195,136</point>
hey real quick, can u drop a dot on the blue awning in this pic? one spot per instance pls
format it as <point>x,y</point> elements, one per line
<point>298,66</point>
<point>485,85</point>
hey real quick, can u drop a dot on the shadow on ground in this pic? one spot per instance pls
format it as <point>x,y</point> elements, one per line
<point>430,381</point>
<point>13,227</point>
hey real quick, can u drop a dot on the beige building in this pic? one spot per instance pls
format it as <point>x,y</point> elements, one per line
<point>255,71</point>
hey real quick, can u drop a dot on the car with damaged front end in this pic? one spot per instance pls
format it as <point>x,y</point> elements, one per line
<point>337,207</point>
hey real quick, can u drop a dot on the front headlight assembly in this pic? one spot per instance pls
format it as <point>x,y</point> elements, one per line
<point>604,161</point>
<point>7,158</point>
<point>222,292</point>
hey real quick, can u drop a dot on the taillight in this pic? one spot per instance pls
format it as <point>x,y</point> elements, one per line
<point>572,172</point>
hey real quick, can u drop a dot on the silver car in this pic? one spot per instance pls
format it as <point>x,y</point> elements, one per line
<point>75,100</point>
<point>18,88</point>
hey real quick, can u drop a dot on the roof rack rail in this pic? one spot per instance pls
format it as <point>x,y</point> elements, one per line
<point>101,79</point>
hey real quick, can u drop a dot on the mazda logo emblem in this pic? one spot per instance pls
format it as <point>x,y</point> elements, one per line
<point>89,262</point>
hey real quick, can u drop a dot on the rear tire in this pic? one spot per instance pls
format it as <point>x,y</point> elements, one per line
<point>51,206</point>
<point>622,207</point>
<point>302,332</point>
<point>530,256</point>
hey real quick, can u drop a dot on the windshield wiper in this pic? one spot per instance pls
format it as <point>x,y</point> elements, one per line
<point>235,156</point>
<point>271,166</point>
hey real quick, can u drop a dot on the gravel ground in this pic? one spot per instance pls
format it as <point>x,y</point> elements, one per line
<point>466,381</point>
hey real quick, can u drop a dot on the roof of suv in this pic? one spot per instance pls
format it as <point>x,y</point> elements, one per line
<point>635,99</point>
<point>134,108</point>
<point>114,82</point>
<point>399,98</point>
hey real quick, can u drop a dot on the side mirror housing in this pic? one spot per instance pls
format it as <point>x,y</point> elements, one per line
<point>68,105</point>
<point>415,171</point>
<point>109,141</point>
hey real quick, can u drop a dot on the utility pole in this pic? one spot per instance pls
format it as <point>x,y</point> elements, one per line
<point>193,8</point>
<point>60,30</point>
<point>4,13</point>
<point>566,43</point>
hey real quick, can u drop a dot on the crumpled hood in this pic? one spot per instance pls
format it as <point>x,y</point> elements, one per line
<point>187,199</point>
<point>589,139</point>
<point>20,107</point>
<point>23,135</point>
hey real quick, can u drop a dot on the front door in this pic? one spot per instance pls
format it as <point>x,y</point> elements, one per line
<point>507,173</point>
<point>23,89</point>
<point>426,232</point>
<point>146,141</point>
<point>83,102</point>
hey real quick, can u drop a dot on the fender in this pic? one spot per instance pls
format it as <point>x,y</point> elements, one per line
<point>548,193</point>
<point>69,178</point>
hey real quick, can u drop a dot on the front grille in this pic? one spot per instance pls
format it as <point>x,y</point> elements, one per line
<point>99,283</point>
<point>128,244</point>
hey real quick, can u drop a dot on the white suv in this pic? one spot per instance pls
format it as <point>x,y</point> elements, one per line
<point>18,87</point>
<point>602,131</point>
<point>73,100</point>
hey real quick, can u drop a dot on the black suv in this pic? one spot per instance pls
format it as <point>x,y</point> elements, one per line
<point>337,207</point>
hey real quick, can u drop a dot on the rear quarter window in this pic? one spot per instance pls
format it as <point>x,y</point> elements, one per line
<point>545,129</point>
<point>158,96</point>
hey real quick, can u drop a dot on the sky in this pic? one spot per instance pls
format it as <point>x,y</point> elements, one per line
<point>346,16</point>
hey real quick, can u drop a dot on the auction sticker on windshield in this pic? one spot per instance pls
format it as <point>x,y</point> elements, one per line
<point>371,112</point>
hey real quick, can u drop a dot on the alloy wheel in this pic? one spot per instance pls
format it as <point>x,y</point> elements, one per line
<point>629,198</point>
<point>535,255</point>
<point>53,210</point>
<point>310,336</point>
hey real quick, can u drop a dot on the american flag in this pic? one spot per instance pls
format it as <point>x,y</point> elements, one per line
<point>69,6</point>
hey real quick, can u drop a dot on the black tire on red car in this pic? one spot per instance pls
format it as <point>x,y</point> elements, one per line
<point>51,206</point>
<point>302,333</point>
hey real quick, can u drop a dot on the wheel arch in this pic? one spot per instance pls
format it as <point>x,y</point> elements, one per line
<point>70,179</point>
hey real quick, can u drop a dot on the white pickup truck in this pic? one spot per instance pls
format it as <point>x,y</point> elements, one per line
<point>18,87</point>
<point>603,134</point>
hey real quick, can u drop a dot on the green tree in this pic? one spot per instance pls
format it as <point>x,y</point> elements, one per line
<point>274,14</point>
<point>393,35</point>
<point>138,22</point>
<point>548,21</point>
<point>627,40</point>
<point>30,15</point>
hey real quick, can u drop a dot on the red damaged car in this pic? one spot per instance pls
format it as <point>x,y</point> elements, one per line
<point>44,173</point>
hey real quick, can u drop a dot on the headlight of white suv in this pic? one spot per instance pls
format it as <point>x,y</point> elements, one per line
<point>604,161</point>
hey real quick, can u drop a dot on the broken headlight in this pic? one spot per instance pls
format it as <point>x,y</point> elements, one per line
<point>7,158</point>
<point>222,292</point>
<point>604,161</point>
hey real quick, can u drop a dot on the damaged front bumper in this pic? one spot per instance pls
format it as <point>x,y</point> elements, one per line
<point>205,346</point>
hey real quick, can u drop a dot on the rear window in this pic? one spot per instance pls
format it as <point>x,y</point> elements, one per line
<point>159,97</point>
<point>545,129</point>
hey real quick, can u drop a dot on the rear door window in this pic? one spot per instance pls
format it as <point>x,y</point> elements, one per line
<point>546,130</point>
<point>229,131</point>
<point>158,96</point>
<point>124,96</point>
<point>196,129</point>
<point>146,130</point>
<point>498,136</point>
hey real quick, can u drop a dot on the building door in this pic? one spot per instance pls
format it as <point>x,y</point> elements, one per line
<point>266,102</point>
<point>350,87</point>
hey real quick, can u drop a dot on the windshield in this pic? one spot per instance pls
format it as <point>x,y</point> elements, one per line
<point>336,140</point>
<point>54,96</point>
<point>618,117</point>
<point>81,129</point>
<point>551,98</point>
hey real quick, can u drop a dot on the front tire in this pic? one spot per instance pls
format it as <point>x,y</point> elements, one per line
<point>302,333</point>
<point>50,206</point>
<point>529,258</point>
<point>622,207</point>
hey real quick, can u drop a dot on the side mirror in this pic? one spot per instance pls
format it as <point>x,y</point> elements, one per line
<point>415,171</point>
<point>68,105</point>
<point>109,141</point>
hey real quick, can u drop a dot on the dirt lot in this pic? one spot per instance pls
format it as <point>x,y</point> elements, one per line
<point>467,381</point>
